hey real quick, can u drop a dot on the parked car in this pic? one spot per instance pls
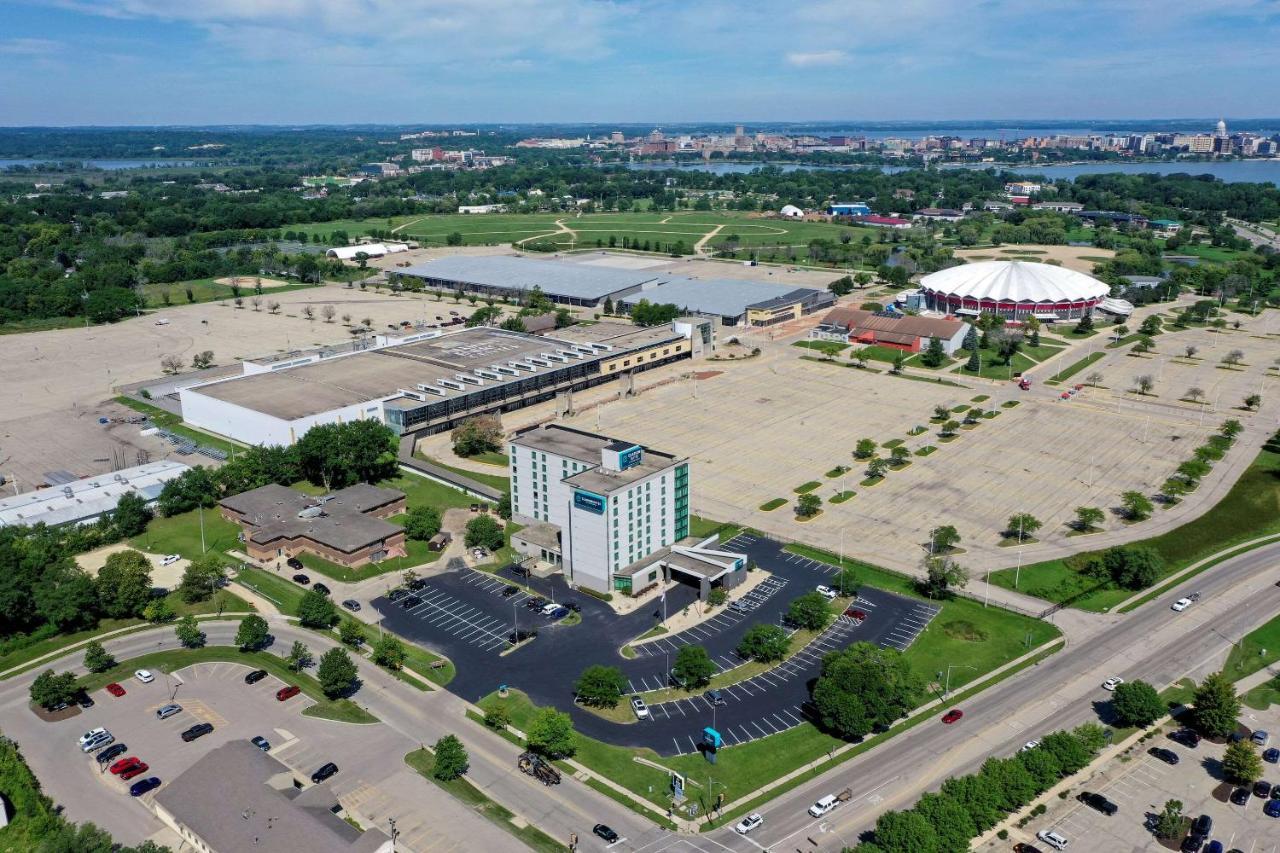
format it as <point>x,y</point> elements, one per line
<point>549,608</point>
<point>84,700</point>
<point>137,789</point>
<point>1262,788</point>
<point>1188,738</point>
<point>352,605</point>
<point>302,579</point>
<point>558,614</point>
<point>124,764</point>
<point>1240,796</point>
<point>170,559</point>
<point>115,690</point>
<point>1272,808</point>
<point>294,563</point>
<point>640,708</point>
<point>255,676</point>
<point>167,711</point>
<point>855,614</point>
<point>510,590</point>
<point>92,734</point>
<point>97,743</point>
<point>748,823</point>
<point>325,771</point>
<point>738,606</point>
<point>144,675</point>
<point>261,743</point>
<point>1029,745</point>
<point>1271,756</point>
<point>1215,846</point>
<point>1202,826</point>
<point>714,697</point>
<point>287,692</point>
<point>1180,605</point>
<point>321,588</point>
<point>535,603</point>
<point>1098,802</point>
<point>521,635</point>
<point>1020,847</point>
<point>952,716</point>
<point>199,730</point>
<point>1112,683</point>
<point>111,753</point>
<point>826,592</point>
<point>604,832</point>
<point>1054,839</point>
<point>1168,756</point>
<point>397,594</point>
<point>572,605</point>
<point>410,601</point>
<point>135,771</point>
<point>1260,737</point>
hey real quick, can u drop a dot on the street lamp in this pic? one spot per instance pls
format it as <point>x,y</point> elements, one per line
<point>946,690</point>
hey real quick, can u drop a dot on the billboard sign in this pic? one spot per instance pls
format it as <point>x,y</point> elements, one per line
<point>630,457</point>
<point>588,501</point>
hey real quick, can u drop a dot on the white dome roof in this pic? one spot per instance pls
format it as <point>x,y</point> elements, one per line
<point>791,210</point>
<point>1017,281</point>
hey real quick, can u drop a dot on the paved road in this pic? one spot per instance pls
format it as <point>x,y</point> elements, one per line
<point>1151,643</point>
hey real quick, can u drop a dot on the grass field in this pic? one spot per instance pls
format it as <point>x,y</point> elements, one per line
<point>1066,373</point>
<point>991,366</point>
<point>496,481</point>
<point>1257,649</point>
<point>279,590</point>
<point>1250,509</point>
<point>206,290</point>
<point>825,347</point>
<point>180,534</point>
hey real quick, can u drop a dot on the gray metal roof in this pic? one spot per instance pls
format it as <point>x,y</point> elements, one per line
<point>724,297</point>
<point>555,278</point>
<point>82,500</point>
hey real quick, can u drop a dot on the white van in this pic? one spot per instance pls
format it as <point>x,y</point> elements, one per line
<point>823,805</point>
<point>1055,840</point>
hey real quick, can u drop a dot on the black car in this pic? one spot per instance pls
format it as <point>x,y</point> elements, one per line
<point>84,700</point>
<point>1168,756</point>
<point>321,588</point>
<point>520,636</point>
<point>535,603</point>
<point>397,594</point>
<point>1240,796</point>
<point>573,605</point>
<point>302,579</point>
<point>410,601</point>
<point>255,676</point>
<point>510,590</point>
<point>1192,843</point>
<point>294,563</point>
<point>324,773</point>
<point>606,833</point>
<point>1186,737</point>
<point>1202,825</point>
<point>197,731</point>
<point>1098,802</point>
<point>1262,788</point>
<point>111,753</point>
<point>351,604</point>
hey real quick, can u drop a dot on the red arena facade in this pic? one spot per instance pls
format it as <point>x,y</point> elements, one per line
<point>1015,290</point>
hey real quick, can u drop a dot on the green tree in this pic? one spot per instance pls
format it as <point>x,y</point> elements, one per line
<point>484,532</point>
<point>978,797</point>
<point>504,506</point>
<point>316,610</point>
<point>765,643</point>
<point>809,611</point>
<point>1088,517</point>
<point>337,672</point>
<point>1170,823</point>
<point>942,574</point>
<point>943,539</point>
<point>551,733</point>
<point>876,468</point>
<point>351,633</point>
<point>1070,751</point>
<point>202,576</point>
<point>1133,567</point>
<point>1241,763</point>
<point>299,656</point>
<point>96,658</point>
<point>1010,778</point>
<point>1215,706</point>
<point>252,633</point>
<point>899,455</point>
<point>1021,526</point>
<point>158,611</point>
<point>124,584</point>
<point>847,581</point>
<point>1042,765</point>
<point>953,825</point>
<point>1136,703</point>
<point>131,515</point>
<point>693,667</point>
<point>905,832</point>
<point>50,690</point>
<point>865,449</point>
<point>864,686</point>
<point>808,505</point>
<point>934,355</point>
<point>335,456</point>
<point>1137,506</point>
<point>600,686</point>
<point>188,632</point>
<point>497,717</point>
<point>451,758</point>
<point>974,362</point>
<point>389,652</point>
<point>65,597</point>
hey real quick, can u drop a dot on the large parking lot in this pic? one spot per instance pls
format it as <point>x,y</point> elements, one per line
<point>1140,784</point>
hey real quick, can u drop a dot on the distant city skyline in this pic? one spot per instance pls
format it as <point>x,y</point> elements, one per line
<point>141,62</point>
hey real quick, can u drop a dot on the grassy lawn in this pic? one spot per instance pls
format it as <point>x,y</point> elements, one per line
<point>993,369</point>
<point>278,589</point>
<point>207,290</point>
<point>422,491</point>
<point>423,761</point>
<point>358,573</point>
<point>420,660</point>
<point>1063,375</point>
<point>180,534</point>
<point>704,527</point>
<point>174,424</point>
<point>496,481</point>
<point>824,347</point>
<point>772,504</point>
<point>342,710</point>
<point>1258,649</point>
<point>875,352</point>
<point>841,497</point>
<point>805,488</point>
<point>1250,510</point>
<point>492,457</point>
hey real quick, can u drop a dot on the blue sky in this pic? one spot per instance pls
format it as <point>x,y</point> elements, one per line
<point>121,62</point>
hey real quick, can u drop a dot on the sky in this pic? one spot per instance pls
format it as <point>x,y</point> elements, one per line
<point>134,62</point>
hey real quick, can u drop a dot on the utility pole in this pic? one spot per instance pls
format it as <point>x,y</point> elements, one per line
<point>203,549</point>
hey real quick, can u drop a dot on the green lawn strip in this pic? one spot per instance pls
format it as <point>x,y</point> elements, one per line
<point>419,552</point>
<point>1127,339</point>
<point>1064,375</point>
<point>850,364</point>
<point>1180,693</point>
<point>932,380</point>
<point>981,398</point>
<point>804,488</point>
<point>347,574</point>
<point>1009,404</point>
<point>1250,510</point>
<point>496,481</point>
<point>423,491</point>
<point>825,347</point>
<point>871,481</point>
<point>892,443</point>
<point>704,527</point>
<point>180,534</point>
<point>1263,696</point>
<point>736,811</point>
<point>278,589</point>
<point>1258,649</point>
<point>1161,589</point>
<point>838,471</point>
<point>926,450</point>
<point>841,497</point>
<point>342,710</point>
<point>423,762</point>
<point>173,423</point>
<point>772,504</point>
<point>992,368</point>
<point>207,290</point>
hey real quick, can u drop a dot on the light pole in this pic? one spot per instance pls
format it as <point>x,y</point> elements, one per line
<point>203,549</point>
<point>946,690</point>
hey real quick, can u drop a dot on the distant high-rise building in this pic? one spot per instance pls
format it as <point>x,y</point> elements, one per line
<point>616,137</point>
<point>737,130</point>
<point>1221,130</point>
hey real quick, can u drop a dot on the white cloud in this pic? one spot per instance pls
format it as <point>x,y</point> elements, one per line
<point>820,57</point>
<point>29,47</point>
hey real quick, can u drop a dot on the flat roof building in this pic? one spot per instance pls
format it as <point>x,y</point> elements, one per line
<point>81,501</point>
<point>237,797</point>
<point>513,277</point>
<point>899,331</point>
<point>734,301</point>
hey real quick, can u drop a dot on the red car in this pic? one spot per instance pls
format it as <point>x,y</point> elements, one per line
<point>136,770</point>
<point>115,689</point>
<point>952,716</point>
<point>125,764</point>
<point>288,692</point>
<point>855,613</point>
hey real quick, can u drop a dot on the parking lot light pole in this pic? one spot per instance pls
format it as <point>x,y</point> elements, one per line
<point>946,690</point>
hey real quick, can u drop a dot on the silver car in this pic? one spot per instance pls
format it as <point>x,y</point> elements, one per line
<point>167,711</point>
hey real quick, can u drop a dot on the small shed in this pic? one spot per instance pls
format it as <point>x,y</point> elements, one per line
<point>440,541</point>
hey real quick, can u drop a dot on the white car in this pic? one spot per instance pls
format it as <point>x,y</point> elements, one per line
<point>1112,683</point>
<point>823,805</point>
<point>1056,840</point>
<point>145,676</point>
<point>748,823</point>
<point>1029,745</point>
<point>827,592</point>
<point>1180,605</point>
<point>641,709</point>
<point>548,609</point>
<point>92,734</point>
<point>170,559</point>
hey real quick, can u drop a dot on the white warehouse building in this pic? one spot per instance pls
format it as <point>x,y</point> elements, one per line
<point>86,500</point>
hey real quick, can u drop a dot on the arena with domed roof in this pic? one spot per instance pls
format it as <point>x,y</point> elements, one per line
<point>1015,290</point>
